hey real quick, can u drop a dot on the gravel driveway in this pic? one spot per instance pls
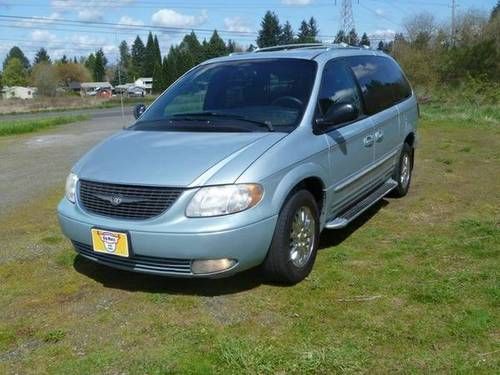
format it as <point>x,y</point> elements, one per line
<point>33,163</point>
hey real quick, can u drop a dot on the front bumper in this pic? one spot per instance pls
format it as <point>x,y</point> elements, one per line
<point>171,253</point>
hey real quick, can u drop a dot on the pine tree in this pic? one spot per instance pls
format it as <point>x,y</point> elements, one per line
<point>171,70</point>
<point>303,34</point>
<point>287,36</point>
<point>124,56</point>
<point>313,30</point>
<point>16,52</point>
<point>381,46</point>
<point>157,51</point>
<point>90,63</point>
<point>149,57</point>
<point>158,81</point>
<point>41,56</point>
<point>352,38</point>
<point>365,41</point>
<point>251,48</point>
<point>99,66</point>
<point>137,58</point>
<point>215,47</point>
<point>340,37</point>
<point>192,45</point>
<point>270,32</point>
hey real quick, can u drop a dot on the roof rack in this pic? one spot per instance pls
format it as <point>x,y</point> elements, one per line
<point>286,47</point>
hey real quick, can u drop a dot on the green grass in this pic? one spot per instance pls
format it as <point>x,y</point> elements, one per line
<point>32,125</point>
<point>412,287</point>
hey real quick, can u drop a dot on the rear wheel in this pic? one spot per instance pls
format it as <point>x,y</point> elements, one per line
<point>295,241</point>
<point>402,172</point>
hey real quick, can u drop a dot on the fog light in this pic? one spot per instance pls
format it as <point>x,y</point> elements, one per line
<point>211,265</point>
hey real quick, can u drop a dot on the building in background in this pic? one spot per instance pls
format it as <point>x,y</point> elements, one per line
<point>145,83</point>
<point>91,88</point>
<point>18,92</point>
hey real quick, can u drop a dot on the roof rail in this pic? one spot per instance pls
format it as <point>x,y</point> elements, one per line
<point>286,47</point>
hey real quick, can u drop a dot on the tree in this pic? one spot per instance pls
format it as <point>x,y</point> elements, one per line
<point>495,11</point>
<point>157,50</point>
<point>353,38</point>
<point>149,57</point>
<point>64,59</point>
<point>16,52</point>
<point>192,45</point>
<point>137,58</point>
<point>90,63</point>
<point>251,48</point>
<point>124,55</point>
<point>313,30</point>
<point>159,82</point>
<point>365,41</point>
<point>340,37</point>
<point>41,56</point>
<point>14,73</point>
<point>215,47</point>
<point>99,66</point>
<point>287,35</point>
<point>420,29</point>
<point>270,31</point>
<point>381,46</point>
<point>72,72</point>
<point>44,78</point>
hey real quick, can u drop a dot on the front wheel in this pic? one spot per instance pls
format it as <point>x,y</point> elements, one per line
<point>402,172</point>
<point>295,241</point>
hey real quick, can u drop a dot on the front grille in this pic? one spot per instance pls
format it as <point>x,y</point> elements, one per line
<point>137,262</point>
<point>136,202</point>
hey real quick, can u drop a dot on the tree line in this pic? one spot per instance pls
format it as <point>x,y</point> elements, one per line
<point>427,51</point>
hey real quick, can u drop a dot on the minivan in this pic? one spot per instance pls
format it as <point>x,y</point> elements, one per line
<point>243,161</point>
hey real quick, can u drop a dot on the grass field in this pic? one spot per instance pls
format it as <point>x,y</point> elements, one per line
<point>11,127</point>
<point>412,287</point>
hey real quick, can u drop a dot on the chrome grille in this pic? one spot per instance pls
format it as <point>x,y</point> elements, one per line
<point>126,201</point>
<point>137,262</point>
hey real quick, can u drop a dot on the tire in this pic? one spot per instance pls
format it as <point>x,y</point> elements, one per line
<point>405,163</point>
<point>285,263</point>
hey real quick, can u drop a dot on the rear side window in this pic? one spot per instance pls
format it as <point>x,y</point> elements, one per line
<point>381,80</point>
<point>337,87</point>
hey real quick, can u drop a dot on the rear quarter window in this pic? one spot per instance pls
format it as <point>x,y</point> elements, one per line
<point>381,80</point>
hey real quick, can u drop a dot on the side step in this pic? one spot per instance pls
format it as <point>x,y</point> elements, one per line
<point>354,211</point>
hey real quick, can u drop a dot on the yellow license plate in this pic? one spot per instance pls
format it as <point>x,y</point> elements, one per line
<point>108,242</point>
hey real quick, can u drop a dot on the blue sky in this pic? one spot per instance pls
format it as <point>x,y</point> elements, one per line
<point>238,20</point>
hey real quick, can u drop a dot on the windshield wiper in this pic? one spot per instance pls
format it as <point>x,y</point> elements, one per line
<point>205,114</point>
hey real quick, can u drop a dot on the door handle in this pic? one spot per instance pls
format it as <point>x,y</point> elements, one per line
<point>368,141</point>
<point>379,135</point>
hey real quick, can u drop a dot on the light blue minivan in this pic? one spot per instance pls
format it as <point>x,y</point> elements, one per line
<point>243,161</point>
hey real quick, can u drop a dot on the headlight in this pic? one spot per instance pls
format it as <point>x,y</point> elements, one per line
<point>71,182</point>
<point>224,200</point>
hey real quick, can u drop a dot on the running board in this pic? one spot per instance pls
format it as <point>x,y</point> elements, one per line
<point>354,211</point>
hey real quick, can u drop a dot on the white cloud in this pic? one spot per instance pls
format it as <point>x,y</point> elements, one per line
<point>384,34</point>
<point>89,14</point>
<point>296,2</point>
<point>236,24</point>
<point>129,21</point>
<point>171,18</point>
<point>43,36</point>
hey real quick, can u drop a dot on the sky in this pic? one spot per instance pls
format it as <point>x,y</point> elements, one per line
<point>65,26</point>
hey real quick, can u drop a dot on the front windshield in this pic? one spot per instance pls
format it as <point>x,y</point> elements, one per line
<point>247,95</point>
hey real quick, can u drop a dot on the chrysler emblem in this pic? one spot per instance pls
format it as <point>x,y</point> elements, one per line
<point>116,200</point>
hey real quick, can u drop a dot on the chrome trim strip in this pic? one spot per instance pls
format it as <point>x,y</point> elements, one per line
<point>357,176</point>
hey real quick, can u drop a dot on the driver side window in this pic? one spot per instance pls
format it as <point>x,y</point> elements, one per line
<point>337,86</point>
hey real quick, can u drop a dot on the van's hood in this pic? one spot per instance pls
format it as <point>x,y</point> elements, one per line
<point>173,158</point>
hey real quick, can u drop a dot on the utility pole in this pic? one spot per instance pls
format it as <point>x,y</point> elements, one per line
<point>453,26</point>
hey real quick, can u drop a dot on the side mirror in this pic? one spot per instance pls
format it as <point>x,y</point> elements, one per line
<point>139,110</point>
<point>338,113</point>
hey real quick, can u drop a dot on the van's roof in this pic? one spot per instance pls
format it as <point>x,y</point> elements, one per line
<point>308,51</point>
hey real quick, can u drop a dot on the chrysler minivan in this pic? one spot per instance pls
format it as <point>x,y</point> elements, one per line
<point>243,161</point>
